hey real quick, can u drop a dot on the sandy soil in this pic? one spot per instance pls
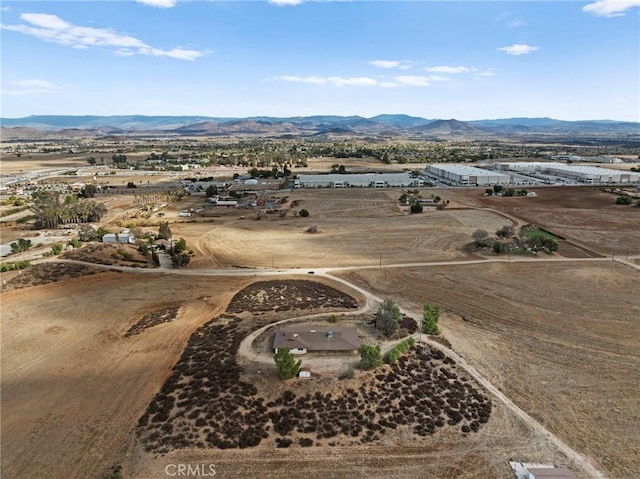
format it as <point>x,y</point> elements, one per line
<point>72,386</point>
<point>560,340</point>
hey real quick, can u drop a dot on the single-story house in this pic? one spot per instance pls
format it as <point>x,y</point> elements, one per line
<point>125,238</point>
<point>301,340</point>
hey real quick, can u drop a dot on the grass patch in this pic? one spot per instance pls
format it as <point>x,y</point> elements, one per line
<point>531,232</point>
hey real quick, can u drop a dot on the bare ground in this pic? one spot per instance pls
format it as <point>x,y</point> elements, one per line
<point>559,340</point>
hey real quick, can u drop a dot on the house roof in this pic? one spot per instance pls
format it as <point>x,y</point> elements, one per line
<point>551,473</point>
<point>317,339</point>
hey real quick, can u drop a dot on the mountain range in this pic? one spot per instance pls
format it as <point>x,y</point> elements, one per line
<point>388,125</point>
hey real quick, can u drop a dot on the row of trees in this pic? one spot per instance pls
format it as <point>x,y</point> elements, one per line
<point>50,211</point>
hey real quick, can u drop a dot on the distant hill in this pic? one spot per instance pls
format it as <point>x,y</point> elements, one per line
<point>62,126</point>
<point>449,128</point>
<point>401,121</point>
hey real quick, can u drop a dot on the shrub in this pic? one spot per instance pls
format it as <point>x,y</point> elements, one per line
<point>624,200</point>
<point>20,245</point>
<point>499,248</point>
<point>56,248</point>
<point>304,213</point>
<point>370,356</point>
<point>398,350</point>
<point>333,318</point>
<point>416,208</point>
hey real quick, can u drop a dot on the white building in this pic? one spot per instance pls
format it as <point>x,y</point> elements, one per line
<point>463,175</point>
<point>594,174</point>
<point>358,180</point>
<point>582,173</point>
<point>125,238</point>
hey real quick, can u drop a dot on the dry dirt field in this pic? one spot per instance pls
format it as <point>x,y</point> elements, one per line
<point>355,227</point>
<point>585,215</point>
<point>560,340</point>
<point>72,386</point>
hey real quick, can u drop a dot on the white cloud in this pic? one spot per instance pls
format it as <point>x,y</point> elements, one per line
<point>335,81</point>
<point>286,3</point>
<point>395,82</point>
<point>610,8</point>
<point>311,80</point>
<point>402,65</point>
<point>385,63</point>
<point>159,3</point>
<point>51,28</point>
<point>491,72</point>
<point>448,69</point>
<point>413,80</point>
<point>518,49</point>
<point>354,81</point>
<point>31,87</point>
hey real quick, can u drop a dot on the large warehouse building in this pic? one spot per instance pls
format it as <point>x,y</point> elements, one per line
<point>363,180</point>
<point>582,173</point>
<point>464,175</point>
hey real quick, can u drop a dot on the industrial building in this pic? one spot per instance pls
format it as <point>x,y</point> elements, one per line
<point>463,175</point>
<point>361,180</point>
<point>580,173</point>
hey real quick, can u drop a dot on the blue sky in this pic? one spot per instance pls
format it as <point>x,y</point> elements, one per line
<point>457,59</point>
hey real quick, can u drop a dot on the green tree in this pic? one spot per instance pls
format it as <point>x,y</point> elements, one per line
<point>497,188</point>
<point>89,191</point>
<point>20,245</point>
<point>624,200</point>
<point>180,246</point>
<point>180,260</point>
<point>506,231</point>
<point>212,190</point>
<point>131,184</point>
<point>489,192</point>
<point>370,356</point>
<point>480,237</point>
<point>387,318</point>
<point>87,233</point>
<point>304,213</point>
<point>416,208</point>
<point>430,318</point>
<point>56,249</point>
<point>499,248</point>
<point>286,363</point>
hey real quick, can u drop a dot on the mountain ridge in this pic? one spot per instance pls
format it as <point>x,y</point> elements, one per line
<point>384,124</point>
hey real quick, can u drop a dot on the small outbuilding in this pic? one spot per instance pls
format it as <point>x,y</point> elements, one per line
<point>550,473</point>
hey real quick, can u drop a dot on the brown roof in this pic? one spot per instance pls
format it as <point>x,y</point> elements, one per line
<point>317,339</point>
<point>551,473</point>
